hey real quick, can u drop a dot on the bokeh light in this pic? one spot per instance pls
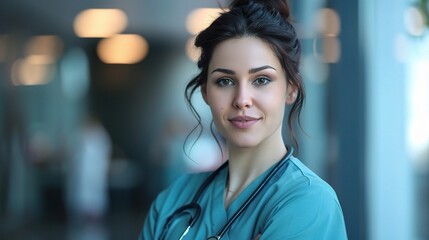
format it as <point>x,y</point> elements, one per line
<point>414,21</point>
<point>328,22</point>
<point>192,52</point>
<point>123,49</point>
<point>48,46</point>
<point>327,49</point>
<point>33,70</point>
<point>99,23</point>
<point>199,19</point>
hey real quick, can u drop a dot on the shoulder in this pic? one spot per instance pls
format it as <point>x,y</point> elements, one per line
<point>298,179</point>
<point>304,205</point>
<point>300,186</point>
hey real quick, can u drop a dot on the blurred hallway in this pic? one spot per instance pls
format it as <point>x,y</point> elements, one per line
<point>365,67</point>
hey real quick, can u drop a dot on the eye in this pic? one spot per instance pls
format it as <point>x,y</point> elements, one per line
<point>261,81</point>
<point>223,82</point>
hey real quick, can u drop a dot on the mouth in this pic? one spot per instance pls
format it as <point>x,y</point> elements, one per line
<point>243,122</point>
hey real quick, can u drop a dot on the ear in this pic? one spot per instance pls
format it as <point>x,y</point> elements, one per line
<point>204,93</point>
<point>291,94</point>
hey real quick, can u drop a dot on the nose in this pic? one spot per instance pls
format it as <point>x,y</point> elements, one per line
<point>243,98</point>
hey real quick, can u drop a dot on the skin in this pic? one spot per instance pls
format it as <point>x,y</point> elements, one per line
<point>245,78</point>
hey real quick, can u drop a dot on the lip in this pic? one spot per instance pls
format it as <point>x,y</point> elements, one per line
<point>243,122</point>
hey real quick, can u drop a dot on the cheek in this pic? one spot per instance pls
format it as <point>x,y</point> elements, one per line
<point>218,110</point>
<point>274,104</point>
<point>274,98</point>
<point>218,116</point>
<point>218,103</point>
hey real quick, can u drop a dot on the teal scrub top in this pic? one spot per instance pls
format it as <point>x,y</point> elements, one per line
<point>298,205</point>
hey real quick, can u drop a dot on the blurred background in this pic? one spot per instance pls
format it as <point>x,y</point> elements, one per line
<point>93,118</point>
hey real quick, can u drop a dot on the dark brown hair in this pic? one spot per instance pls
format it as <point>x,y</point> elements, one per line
<point>268,20</point>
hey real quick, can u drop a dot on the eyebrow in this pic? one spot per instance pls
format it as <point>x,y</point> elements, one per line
<point>258,69</point>
<point>251,71</point>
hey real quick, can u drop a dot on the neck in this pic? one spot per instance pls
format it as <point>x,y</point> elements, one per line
<point>246,164</point>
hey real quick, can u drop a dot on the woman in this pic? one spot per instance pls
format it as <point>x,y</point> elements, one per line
<point>248,74</point>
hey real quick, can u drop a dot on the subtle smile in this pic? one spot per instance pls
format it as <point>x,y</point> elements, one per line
<point>243,122</point>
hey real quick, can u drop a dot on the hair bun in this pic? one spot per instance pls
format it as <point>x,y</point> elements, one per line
<point>282,6</point>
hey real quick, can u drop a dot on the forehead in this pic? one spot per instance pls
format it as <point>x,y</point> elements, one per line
<point>243,53</point>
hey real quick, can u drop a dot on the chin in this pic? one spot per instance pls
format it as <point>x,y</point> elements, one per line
<point>243,143</point>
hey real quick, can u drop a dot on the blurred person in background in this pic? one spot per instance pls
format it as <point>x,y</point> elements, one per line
<point>88,180</point>
<point>167,153</point>
<point>249,73</point>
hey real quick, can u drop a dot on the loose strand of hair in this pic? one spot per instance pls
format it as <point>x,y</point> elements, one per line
<point>295,114</point>
<point>191,87</point>
<point>216,139</point>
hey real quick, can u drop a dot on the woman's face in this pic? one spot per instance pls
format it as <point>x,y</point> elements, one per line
<point>247,92</point>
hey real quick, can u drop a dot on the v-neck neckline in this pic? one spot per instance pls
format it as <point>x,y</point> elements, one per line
<point>242,197</point>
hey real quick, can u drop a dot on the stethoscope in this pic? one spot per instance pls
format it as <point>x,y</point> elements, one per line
<point>193,209</point>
